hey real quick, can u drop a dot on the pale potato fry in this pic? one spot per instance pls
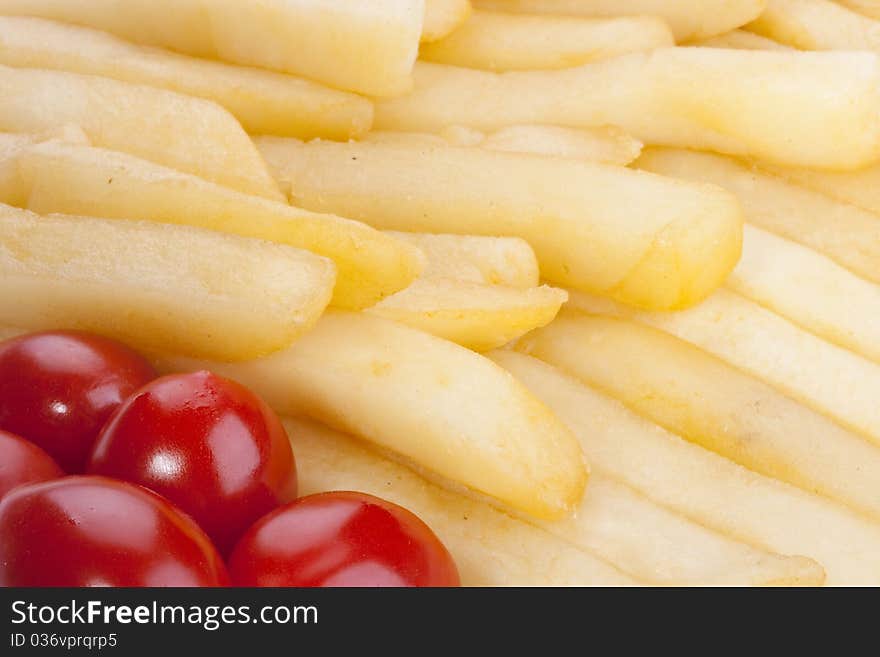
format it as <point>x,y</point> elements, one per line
<point>688,19</point>
<point>867,7</point>
<point>606,144</point>
<point>510,42</point>
<point>349,44</point>
<point>703,486</point>
<point>713,404</point>
<point>643,240</point>
<point>81,180</point>
<point>860,188</point>
<point>817,25</point>
<point>158,287</point>
<point>508,261</point>
<point>848,235</point>
<point>489,547</point>
<point>811,290</point>
<point>741,40</point>
<point>443,17</point>
<point>445,408</point>
<point>12,188</point>
<point>264,102</point>
<point>477,316</point>
<point>804,109</point>
<point>189,134</point>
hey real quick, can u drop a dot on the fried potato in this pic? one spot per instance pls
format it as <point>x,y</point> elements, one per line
<point>689,20</point>
<point>867,7</point>
<point>81,180</point>
<point>158,287</point>
<point>509,42</point>
<point>846,234</point>
<point>703,486</point>
<point>12,145</point>
<point>430,401</point>
<point>713,404</point>
<point>477,316</point>
<point>817,25</point>
<point>741,40</point>
<point>645,240</point>
<point>860,188</point>
<point>490,548</point>
<point>264,102</point>
<point>444,16</point>
<point>188,134</point>
<point>803,109</point>
<point>349,44</point>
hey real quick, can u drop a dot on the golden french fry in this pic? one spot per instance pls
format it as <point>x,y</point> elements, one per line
<point>90,181</point>
<point>264,102</point>
<point>796,108</point>
<point>645,240</point>
<point>848,235</point>
<point>741,40</point>
<point>860,188</point>
<point>349,44</point>
<point>430,401</point>
<point>703,486</point>
<point>510,42</point>
<point>444,16</point>
<point>156,286</point>
<point>867,7</point>
<point>817,25</point>
<point>188,134</point>
<point>689,20</point>
<point>606,144</point>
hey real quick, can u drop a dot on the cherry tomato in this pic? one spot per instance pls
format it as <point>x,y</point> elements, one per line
<point>208,444</point>
<point>58,388</point>
<point>22,462</point>
<point>341,539</point>
<point>94,531</point>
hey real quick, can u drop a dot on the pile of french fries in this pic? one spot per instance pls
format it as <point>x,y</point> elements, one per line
<point>591,286</point>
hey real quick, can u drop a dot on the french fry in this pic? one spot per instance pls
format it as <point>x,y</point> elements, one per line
<point>443,17</point>
<point>713,404</point>
<point>91,181</point>
<point>349,44</point>
<point>490,548</point>
<point>860,188</point>
<point>703,486</point>
<point>510,42</point>
<point>436,404</point>
<point>689,20</point>
<point>264,102</point>
<point>12,145</point>
<point>156,286</point>
<point>817,25</point>
<point>795,108</point>
<point>606,144</point>
<point>189,134</point>
<point>645,240</point>
<point>848,235</point>
<point>741,40</point>
<point>867,7</point>
<point>507,261</point>
<point>479,317</point>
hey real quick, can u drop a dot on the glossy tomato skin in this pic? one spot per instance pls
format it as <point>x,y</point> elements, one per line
<point>341,539</point>
<point>208,444</point>
<point>94,531</point>
<point>58,388</point>
<point>22,462</point>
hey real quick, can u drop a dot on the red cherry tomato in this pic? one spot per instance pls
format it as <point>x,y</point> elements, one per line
<point>94,531</point>
<point>208,444</point>
<point>341,539</point>
<point>22,462</point>
<point>58,388</point>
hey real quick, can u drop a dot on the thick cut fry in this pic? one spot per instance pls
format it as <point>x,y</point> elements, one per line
<point>362,46</point>
<point>703,486</point>
<point>479,317</point>
<point>188,134</point>
<point>158,287</point>
<point>439,405</point>
<point>443,17</point>
<point>91,181</point>
<point>12,145</point>
<point>741,40</point>
<point>817,25</point>
<point>644,240</point>
<point>804,109</point>
<point>264,102</point>
<point>846,234</point>
<point>867,7</point>
<point>811,290</point>
<point>860,188</point>
<point>689,20</point>
<point>489,547</point>
<point>508,42</point>
<point>508,261</point>
<point>714,405</point>
<point>606,144</point>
